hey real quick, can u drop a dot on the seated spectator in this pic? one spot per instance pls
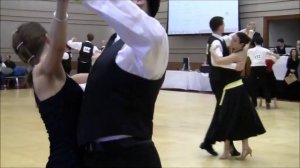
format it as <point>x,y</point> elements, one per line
<point>298,49</point>
<point>9,63</point>
<point>293,63</point>
<point>2,65</point>
<point>298,46</point>
<point>280,48</point>
<point>292,90</point>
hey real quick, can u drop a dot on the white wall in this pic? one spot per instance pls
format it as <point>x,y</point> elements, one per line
<point>81,21</point>
<point>250,10</point>
<point>289,30</point>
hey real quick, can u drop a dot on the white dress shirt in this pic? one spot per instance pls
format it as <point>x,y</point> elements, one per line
<point>258,56</point>
<point>66,56</point>
<point>78,46</point>
<point>146,49</point>
<point>219,49</point>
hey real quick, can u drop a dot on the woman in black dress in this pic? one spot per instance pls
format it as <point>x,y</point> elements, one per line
<point>292,69</point>
<point>58,97</point>
<point>238,119</point>
<point>292,63</point>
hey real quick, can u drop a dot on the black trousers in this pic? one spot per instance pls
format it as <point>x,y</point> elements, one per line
<point>67,66</point>
<point>258,82</point>
<point>217,88</point>
<point>84,67</point>
<point>123,155</point>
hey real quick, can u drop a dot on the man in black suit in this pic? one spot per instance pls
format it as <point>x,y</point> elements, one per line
<point>280,48</point>
<point>9,63</point>
<point>251,26</point>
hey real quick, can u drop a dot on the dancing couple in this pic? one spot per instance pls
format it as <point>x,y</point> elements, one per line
<point>235,118</point>
<point>110,125</point>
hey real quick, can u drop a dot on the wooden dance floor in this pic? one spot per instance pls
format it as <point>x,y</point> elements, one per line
<point>181,121</point>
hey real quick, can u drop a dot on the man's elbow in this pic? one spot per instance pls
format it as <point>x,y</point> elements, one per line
<point>69,43</point>
<point>218,62</point>
<point>158,35</point>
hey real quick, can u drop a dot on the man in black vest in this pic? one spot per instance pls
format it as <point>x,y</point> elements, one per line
<point>67,60</point>
<point>116,122</point>
<point>221,43</point>
<point>280,48</point>
<point>9,63</point>
<point>86,51</point>
<point>250,29</point>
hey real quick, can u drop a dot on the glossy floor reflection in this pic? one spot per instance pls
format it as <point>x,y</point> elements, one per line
<point>181,121</point>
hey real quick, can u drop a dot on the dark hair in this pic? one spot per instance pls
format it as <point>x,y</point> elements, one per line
<point>247,70</point>
<point>90,37</point>
<point>294,49</point>
<point>244,38</point>
<point>280,40</point>
<point>153,6</point>
<point>28,43</point>
<point>216,22</point>
<point>258,40</point>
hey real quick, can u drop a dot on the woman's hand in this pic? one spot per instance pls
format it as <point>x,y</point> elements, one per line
<point>240,66</point>
<point>238,57</point>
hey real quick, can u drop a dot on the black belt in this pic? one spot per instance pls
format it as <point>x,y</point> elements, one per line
<point>114,145</point>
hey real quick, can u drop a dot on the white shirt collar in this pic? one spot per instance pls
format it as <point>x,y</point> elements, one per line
<point>217,36</point>
<point>117,38</point>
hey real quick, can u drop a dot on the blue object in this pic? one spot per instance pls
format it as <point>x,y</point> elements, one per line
<point>20,71</point>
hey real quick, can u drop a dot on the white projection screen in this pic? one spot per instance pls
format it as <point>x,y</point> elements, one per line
<point>193,16</point>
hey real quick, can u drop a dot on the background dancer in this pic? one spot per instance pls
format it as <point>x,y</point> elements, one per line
<point>86,51</point>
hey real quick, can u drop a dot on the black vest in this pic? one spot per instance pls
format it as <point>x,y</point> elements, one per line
<point>86,52</point>
<point>116,102</point>
<point>70,56</point>
<point>218,73</point>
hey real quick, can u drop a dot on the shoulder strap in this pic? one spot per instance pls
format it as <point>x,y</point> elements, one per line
<point>111,40</point>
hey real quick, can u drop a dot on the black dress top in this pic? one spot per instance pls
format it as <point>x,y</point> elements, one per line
<point>291,64</point>
<point>281,51</point>
<point>60,114</point>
